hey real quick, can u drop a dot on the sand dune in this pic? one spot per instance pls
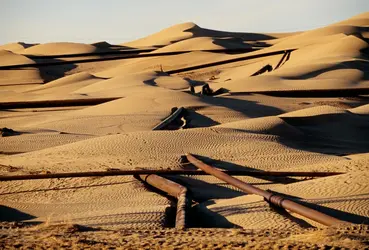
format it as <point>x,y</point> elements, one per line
<point>65,85</point>
<point>15,47</point>
<point>58,49</point>
<point>188,30</point>
<point>10,58</point>
<point>235,125</point>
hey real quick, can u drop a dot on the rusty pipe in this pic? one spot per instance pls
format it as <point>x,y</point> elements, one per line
<point>169,119</point>
<point>173,189</point>
<point>127,56</point>
<point>161,172</point>
<point>56,103</point>
<point>227,61</point>
<point>272,198</point>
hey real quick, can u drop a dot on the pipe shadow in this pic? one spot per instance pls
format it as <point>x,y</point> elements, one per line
<point>202,191</point>
<point>12,214</point>
<point>197,120</point>
<point>257,207</point>
<point>202,217</point>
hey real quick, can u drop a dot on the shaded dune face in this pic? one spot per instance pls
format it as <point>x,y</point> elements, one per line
<point>306,109</point>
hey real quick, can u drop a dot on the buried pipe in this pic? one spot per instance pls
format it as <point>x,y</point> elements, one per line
<point>56,103</point>
<point>170,118</point>
<point>161,172</point>
<point>233,60</point>
<point>285,56</point>
<point>127,56</point>
<point>266,68</point>
<point>270,197</point>
<point>173,189</point>
<point>313,93</point>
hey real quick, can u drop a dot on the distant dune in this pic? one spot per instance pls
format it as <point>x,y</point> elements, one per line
<point>58,49</point>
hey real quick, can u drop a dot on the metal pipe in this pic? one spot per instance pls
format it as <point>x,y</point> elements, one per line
<point>56,103</point>
<point>169,119</point>
<point>281,61</point>
<point>243,58</point>
<point>134,51</point>
<point>131,56</point>
<point>96,53</point>
<point>272,198</point>
<point>313,93</point>
<point>173,189</point>
<point>161,172</point>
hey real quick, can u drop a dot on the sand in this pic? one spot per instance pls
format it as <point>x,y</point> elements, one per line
<point>242,127</point>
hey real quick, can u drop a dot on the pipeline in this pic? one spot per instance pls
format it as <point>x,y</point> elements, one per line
<point>169,119</point>
<point>285,56</point>
<point>129,56</point>
<point>238,59</point>
<point>97,53</point>
<point>271,198</point>
<point>134,51</point>
<point>161,172</point>
<point>56,103</point>
<point>351,92</point>
<point>173,189</point>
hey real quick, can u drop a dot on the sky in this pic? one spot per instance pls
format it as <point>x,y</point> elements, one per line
<point>118,21</point>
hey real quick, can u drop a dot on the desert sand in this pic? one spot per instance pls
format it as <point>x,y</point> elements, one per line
<point>309,113</point>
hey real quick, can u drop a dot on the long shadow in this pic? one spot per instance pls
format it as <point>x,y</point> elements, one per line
<point>316,205</point>
<point>197,120</point>
<point>202,217</point>
<point>361,65</point>
<point>51,73</point>
<point>12,214</point>
<point>260,206</point>
<point>201,32</point>
<point>365,51</point>
<point>231,42</point>
<point>27,45</point>
<point>250,109</point>
<point>337,134</point>
<point>202,191</point>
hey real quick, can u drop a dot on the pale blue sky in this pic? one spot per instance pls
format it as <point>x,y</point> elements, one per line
<point>118,21</point>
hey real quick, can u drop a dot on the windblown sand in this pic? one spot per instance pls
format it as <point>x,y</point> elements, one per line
<point>235,130</point>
